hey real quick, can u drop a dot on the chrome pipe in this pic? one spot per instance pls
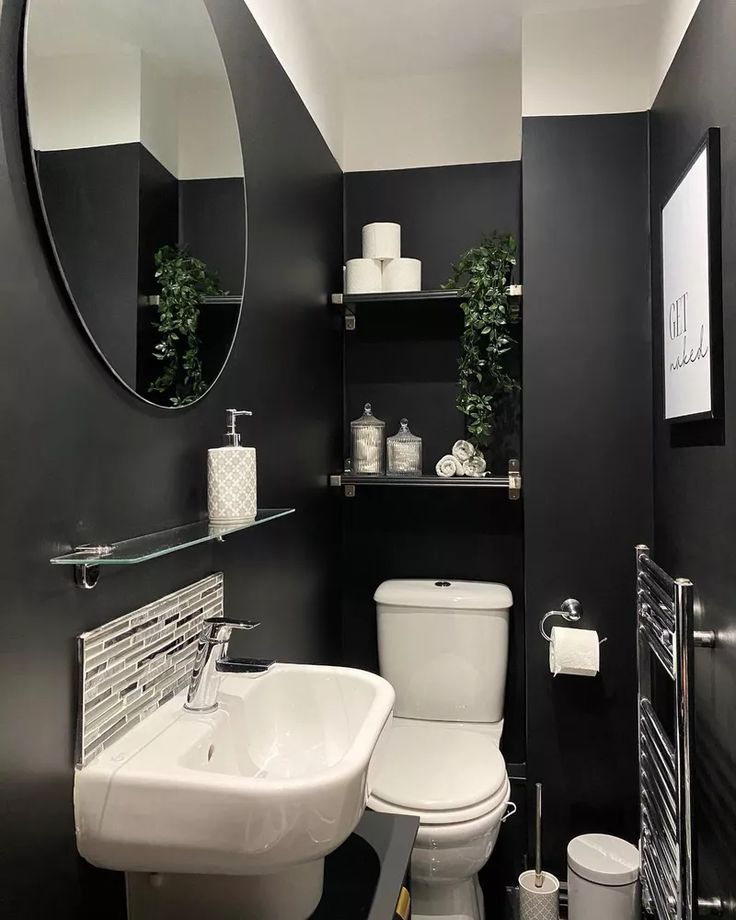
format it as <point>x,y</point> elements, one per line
<point>684,732</point>
<point>665,599</point>
<point>669,852</point>
<point>649,566</point>
<point>664,612</point>
<point>650,775</point>
<point>661,751</point>
<point>656,644</point>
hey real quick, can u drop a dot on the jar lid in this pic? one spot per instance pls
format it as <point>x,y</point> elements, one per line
<point>603,859</point>
<point>404,435</point>
<point>368,418</point>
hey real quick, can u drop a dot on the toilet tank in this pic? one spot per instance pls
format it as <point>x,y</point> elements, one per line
<point>443,645</point>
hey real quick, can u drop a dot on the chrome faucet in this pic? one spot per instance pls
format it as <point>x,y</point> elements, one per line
<point>212,660</point>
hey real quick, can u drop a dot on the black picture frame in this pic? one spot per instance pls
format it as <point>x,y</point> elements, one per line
<point>711,142</point>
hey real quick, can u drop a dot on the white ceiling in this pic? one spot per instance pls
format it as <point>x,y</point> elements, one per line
<point>177,34</point>
<point>375,38</point>
<point>390,37</point>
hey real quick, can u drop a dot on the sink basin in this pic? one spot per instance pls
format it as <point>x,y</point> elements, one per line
<point>277,777</point>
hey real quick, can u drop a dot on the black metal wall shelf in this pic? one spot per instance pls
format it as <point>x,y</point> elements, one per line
<point>349,482</point>
<point>349,303</point>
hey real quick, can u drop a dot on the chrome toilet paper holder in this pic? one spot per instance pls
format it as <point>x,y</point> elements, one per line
<point>570,610</point>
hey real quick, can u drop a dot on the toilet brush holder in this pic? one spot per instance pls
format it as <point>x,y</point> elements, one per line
<point>539,892</point>
<point>539,903</point>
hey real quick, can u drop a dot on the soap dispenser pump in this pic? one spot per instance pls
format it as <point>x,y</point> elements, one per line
<point>231,477</point>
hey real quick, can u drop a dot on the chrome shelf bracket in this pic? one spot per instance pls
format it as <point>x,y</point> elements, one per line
<point>86,575</point>
<point>514,480</point>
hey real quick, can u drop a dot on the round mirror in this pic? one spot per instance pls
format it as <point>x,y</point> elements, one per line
<point>138,163</point>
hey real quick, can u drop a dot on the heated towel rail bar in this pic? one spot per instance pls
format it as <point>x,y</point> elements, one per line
<point>666,767</point>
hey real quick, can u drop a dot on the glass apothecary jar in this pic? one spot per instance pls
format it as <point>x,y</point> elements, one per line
<point>367,443</point>
<point>404,451</point>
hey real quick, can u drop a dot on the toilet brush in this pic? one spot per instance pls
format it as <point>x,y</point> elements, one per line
<point>538,840</point>
<point>538,890</point>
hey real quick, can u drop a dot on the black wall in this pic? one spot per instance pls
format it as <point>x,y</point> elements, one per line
<point>158,225</point>
<point>442,210</point>
<point>404,361</point>
<point>158,217</point>
<point>83,460</point>
<point>695,463</point>
<point>587,456</point>
<point>91,201</point>
<point>211,224</point>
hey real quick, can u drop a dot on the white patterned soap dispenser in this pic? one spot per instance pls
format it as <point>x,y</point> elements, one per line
<point>231,478</point>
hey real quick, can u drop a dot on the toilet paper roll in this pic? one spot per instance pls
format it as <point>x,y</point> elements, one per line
<point>574,651</point>
<point>402,275</point>
<point>381,241</point>
<point>363,276</point>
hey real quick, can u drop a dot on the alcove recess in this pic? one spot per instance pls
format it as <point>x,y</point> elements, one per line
<point>398,345</point>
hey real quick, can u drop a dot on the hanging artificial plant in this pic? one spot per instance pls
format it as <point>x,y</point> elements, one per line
<point>184,282</point>
<point>482,276</point>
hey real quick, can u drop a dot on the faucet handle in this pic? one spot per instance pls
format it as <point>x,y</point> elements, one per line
<point>230,665</point>
<point>235,622</point>
<point>218,629</point>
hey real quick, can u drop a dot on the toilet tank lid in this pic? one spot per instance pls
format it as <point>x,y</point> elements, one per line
<point>603,859</point>
<point>443,593</point>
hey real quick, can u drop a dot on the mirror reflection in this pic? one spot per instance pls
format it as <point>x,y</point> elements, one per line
<point>139,166</point>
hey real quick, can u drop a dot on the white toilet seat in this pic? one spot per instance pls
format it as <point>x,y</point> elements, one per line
<point>448,818</point>
<point>445,773</point>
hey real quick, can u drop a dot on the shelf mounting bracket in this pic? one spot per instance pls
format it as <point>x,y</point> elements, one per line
<point>514,480</point>
<point>87,574</point>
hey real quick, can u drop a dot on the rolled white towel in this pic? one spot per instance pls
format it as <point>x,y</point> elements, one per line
<point>476,466</point>
<point>447,466</point>
<point>462,451</point>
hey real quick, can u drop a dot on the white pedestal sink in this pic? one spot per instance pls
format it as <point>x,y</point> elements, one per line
<point>231,813</point>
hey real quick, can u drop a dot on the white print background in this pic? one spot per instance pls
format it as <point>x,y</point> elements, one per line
<point>685,262</point>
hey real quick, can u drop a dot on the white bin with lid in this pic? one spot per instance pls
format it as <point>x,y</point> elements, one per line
<point>602,878</point>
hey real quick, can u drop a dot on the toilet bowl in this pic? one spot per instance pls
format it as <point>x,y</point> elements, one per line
<point>445,863</point>
<point>452,776</point>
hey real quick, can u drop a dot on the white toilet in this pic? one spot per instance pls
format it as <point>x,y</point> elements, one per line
<point>444,648</point>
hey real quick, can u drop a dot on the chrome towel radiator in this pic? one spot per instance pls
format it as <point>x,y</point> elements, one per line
<point>666,766</point>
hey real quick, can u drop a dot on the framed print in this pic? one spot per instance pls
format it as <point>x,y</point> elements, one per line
<point>692,289</point>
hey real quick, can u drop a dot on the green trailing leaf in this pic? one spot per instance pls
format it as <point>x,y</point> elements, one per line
<point>482,277</point>
<point>184,282</point>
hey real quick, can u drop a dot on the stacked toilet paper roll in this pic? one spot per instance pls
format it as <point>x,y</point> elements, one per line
<point>574,651</point>
<point>382,267</point>
<point>382,241</point>
<point>363,276</point>
<point>402,275</point>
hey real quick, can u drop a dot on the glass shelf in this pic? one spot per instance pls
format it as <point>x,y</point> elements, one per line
<point>514,290</point>
<point>349,482</point>
<point>153,300</point>
<point>151,546</point>
<point>458,482</point>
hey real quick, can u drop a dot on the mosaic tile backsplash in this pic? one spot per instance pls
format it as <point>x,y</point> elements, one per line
<point>134,664</point>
